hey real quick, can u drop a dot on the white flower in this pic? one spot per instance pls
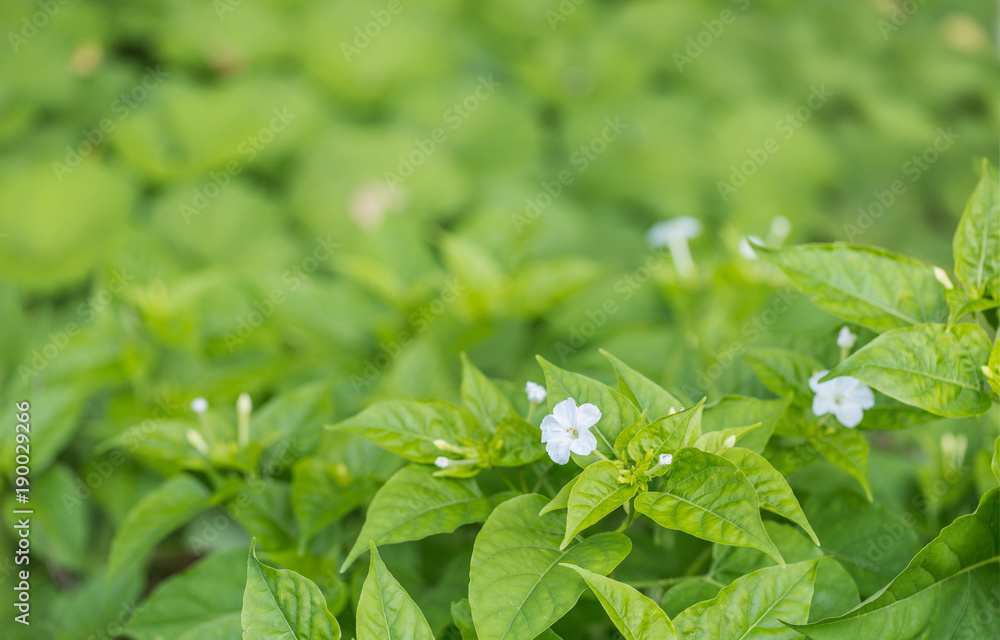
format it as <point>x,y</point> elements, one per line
<point>845,397</point>
<point>199,405</point>
<point>846,338</point>
<point>536,393</point>
<point>674,235</point>
<point>746,249</point>
<point>441,462</point>
<point>665,459</point>
<point>567,429</point>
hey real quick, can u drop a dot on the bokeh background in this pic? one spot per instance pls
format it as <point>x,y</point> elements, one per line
<point>204,198</point>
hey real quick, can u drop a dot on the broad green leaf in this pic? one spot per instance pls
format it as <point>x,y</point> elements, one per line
<point>668,434</point>
<point>522,443</point>
<point>947,591</point>
<point>321,494</point>
<point>617,411</point>
<point>996,459</point>
<point>621,442</point>
<point>646,394</point>
<point>517,588</point>
<point>596,494</point>
<point>204,601</point>
<point>754,606</point>
<point>928,366</point>
<point>282,605</point>
<point>715,441</point>
<point>688,593</point>
<point>482,398</point>
<point>409,427</point>
<point>872,544</point>
<point>992,368</point>
<point>296,416</point>
<point>734,411</point>
<point>863,285</point>
<point>977,239</point>
<point>414,504</point>
<point>848,449</point>
<point>772,489</point>
<point>633,614</point>
<point>461,615</point>
<point>708,497</point>
<point>835,592</point>
<point>562,498</point>
<point>961,304</point>
<point>161,511</point>
<point>385,610</point>
<point>785,372</point>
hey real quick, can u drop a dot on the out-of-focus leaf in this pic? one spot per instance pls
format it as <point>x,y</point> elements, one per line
<point>633,614</point>
<point>977,238</point>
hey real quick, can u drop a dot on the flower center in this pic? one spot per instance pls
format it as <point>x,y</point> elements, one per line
<point>573,432</point>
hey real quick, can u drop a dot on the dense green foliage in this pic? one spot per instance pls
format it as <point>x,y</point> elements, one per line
<point>374,216</point>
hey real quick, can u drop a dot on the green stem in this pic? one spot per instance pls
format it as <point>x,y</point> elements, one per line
<point>699,562</point>
<point>507,482</point>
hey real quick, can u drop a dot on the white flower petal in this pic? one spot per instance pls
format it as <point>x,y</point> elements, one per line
<point>565,412</point>
<point>814,381</point>
<point>849,415</point>
<point>558,450</point>
<point>584,445</point>
<point>823,404</point>
<point>862,396</point>
<point>551,427</point>
<point>587,415</point>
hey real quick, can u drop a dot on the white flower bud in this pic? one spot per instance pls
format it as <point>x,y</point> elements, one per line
<point>199,405</point>
<point>244,405</point>
<point>196,441</point>
<point>846,338</point>
<point>665,459</point>
<point>942,277</point>
<point>441,462</point>
<point>728,444</point>
<point>536,393</point>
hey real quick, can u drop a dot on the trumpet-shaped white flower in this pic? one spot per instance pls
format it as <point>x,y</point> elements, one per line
<point>199,405</point>
<point>665,459</point>
<point>567,429</point>
<point>536,392</point>
<point>845,397</point>
<point>846,338</point>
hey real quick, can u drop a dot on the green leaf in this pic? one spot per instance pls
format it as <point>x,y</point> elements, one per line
<point>928,366</point>
<point>646,394</point>
<point>522,443</point>
<point>321,494</point>
<point>617,411</point>
<point>668,434</point>
<point>461,615</point>
<point>296,416</point>
<point>960,304</point>
<point>204,601</point>
<point>385,610</point>
<point>785,372</point>
<point>161,511</point>
<point>872,544</point>
<point>621,442</point>
<point>947,591</point>
<point>633,614</point>
<point>596,494</point>
<point>414,504</point>
<point>977,238</point>
<point>561,501</point>
<point>996,459</point>
<point>732,411</point>
<point>517,588</point>
<point>409,428</point>
<point>688,593</point>
<point>863,285</point>
<point>754,606</point>
<point>772,489</point>
<point>482,398</point>
<point>708,497</point>
<point>992,369</point>
<point>848,449</point>
<point>715,441</point>
<point>282,605</point>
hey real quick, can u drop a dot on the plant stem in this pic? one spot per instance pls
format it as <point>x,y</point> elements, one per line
<point>507,482</point>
